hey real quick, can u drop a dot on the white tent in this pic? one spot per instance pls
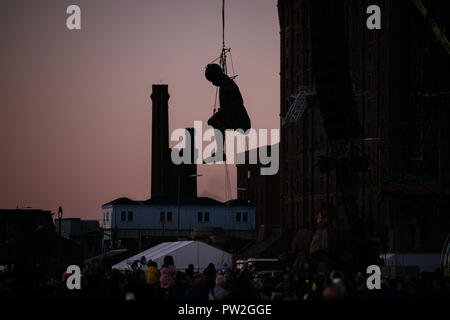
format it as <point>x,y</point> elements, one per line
<point>184,253</point>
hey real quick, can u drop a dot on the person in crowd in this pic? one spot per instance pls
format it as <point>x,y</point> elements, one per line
<point>241,286</point>
<point>152,273</point>
<point>210,276</point>
<point>304,283</point>
<point>335,292</point>
<point>190,271</point>
<point>168,275</point>
<point>196,290</point>
<point>285,289</point>
<point>219,292</point>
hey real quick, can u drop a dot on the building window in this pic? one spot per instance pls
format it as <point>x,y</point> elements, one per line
<point>130,215</point>
<point>245,217</point>
<point>238,217</point>
<point>206,216</point>
<point>199,217</point>
<point>169,216</point>
<point>123,216</point>
<point>162,216</point>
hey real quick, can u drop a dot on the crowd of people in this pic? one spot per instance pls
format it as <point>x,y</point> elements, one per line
<point>165,282</point>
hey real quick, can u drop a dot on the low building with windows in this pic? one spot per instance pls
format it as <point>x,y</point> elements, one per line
<point>128,223</point>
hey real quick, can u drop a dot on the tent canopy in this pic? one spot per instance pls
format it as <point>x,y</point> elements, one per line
<point>184,253</point>
<point>108,255</point>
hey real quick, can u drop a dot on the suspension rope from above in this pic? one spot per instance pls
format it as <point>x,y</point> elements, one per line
<point>223,24</point>
<point>222,58</point>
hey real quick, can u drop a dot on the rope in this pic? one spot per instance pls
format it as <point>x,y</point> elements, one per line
<point>216,59</point>
<point>223,24</point>
<point>232,65</point>
<point>223,57</point>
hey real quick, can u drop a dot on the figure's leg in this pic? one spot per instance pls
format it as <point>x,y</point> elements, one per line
<point>218,155</point>
<point>220,142</point>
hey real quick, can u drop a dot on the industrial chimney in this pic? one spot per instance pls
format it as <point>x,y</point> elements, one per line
<point>160,141</point>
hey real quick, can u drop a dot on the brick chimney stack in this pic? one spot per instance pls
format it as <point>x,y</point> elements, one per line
<point>160,141</point>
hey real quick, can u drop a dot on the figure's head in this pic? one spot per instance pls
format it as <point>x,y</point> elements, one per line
<point>214,74</point>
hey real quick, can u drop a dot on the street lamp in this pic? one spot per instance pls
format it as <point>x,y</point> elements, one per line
<point>179,196</point>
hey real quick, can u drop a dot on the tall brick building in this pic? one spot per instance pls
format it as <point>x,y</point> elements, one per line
<point>263,191</point>
<point>399,77</point>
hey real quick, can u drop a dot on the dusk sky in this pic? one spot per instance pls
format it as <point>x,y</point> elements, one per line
<point>75,107</point>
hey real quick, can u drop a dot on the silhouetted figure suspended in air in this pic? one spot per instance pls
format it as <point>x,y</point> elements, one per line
<point>231,113</point>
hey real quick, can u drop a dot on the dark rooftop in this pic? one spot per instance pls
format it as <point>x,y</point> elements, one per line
<point>165,201</point>
<point>25,211</point>
<point>238,203</point>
